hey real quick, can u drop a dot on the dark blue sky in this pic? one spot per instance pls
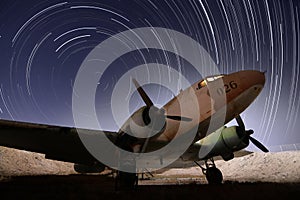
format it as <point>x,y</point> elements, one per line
<point>43,44</point>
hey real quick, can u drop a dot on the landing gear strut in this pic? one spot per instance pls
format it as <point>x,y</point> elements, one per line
<point>126,180</point>
<point>212,173</point>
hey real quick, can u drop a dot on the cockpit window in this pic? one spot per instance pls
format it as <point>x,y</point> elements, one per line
<point>213,78</point>
<point>203,83</point>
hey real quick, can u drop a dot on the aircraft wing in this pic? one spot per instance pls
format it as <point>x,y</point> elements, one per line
<point>64,144</point>
<point>188,159</point>
<point>57,143</point>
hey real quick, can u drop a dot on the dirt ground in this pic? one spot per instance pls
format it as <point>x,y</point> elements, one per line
<point>256,176</point>
<point>102,187</point>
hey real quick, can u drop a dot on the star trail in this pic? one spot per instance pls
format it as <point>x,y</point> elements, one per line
<point>43,44</point>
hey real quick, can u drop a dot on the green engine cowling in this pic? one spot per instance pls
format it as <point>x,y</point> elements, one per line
<point>222,142</point>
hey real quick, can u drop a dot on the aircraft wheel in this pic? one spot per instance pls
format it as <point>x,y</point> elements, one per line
<point>126,181</point>
<point>214,175</point>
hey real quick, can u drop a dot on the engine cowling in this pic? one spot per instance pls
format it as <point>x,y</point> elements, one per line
<point>145,122</point>
<point>222,142</point>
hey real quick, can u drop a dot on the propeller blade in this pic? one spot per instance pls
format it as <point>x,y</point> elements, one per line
<point>258,144</point>
<point>240,122</point>
<point>179,118</point>
<point>143,94</point>
<point>248,133</point>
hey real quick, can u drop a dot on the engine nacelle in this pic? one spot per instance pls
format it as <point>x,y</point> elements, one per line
<point>222,142</point>
<point>145,122</point>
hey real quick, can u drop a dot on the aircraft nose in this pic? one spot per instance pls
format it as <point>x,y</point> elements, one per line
<point>253,77</point>
<point>259,77</point>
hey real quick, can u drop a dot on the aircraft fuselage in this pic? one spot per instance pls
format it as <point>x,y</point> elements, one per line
<point>212,102</point>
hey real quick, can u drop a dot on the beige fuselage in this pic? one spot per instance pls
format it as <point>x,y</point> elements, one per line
<point>212,103</point>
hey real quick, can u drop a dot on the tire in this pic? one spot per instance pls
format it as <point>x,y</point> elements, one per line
<point>126,181</point>
<point>214,176</point>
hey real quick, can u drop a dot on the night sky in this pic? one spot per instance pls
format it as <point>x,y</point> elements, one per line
<point>43,44</point>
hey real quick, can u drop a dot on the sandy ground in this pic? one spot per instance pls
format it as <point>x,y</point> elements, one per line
<point>19,163</point>
<point>280,167</point>
<point>255,176</point>
<point>102,187</point>
<point>262,167</point>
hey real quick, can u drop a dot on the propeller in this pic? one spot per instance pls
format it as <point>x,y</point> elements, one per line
<point>143,94</point>
<point>243,133</point>
<point>258,144</point>
<point>149,103</point>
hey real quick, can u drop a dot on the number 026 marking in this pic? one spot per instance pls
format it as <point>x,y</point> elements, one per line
<point>227,88</point>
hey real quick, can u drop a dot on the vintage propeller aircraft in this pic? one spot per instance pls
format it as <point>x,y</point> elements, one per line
<point>230,94</point>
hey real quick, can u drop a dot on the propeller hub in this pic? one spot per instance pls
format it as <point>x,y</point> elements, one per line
<point>245,134</point>
<point>249,132</point>
<point>154,118</point>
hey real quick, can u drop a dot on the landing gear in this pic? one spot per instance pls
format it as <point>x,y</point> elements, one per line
<point>126,181</point>
<point>126,178</point>
<point>212,173</point>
